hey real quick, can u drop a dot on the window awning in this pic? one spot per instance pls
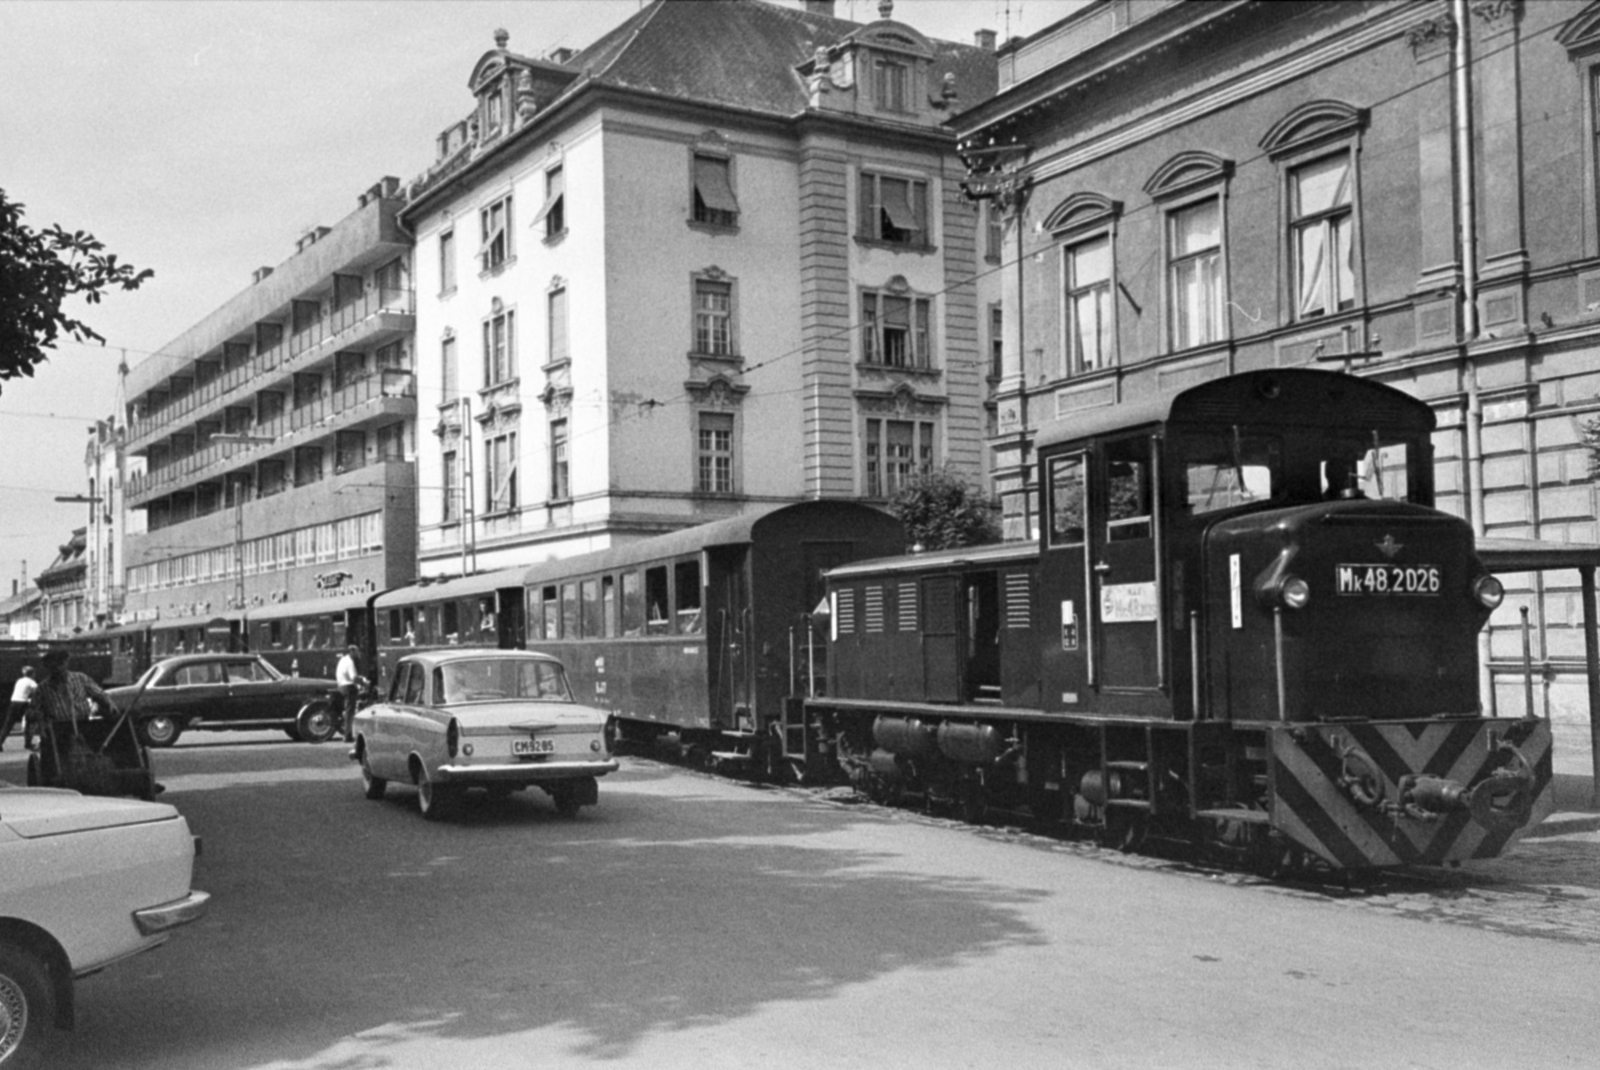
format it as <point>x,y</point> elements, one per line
<point>897,203</point>
<point>711,183</point>
<point>557,188</point>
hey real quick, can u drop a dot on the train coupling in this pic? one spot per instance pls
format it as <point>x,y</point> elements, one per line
<point>1501,801</point>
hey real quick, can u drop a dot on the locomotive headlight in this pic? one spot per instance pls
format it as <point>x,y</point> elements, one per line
<point>1488,591</point>
<point>1295,592</point>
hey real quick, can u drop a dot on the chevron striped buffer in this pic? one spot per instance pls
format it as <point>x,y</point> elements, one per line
<point>1312,809</point>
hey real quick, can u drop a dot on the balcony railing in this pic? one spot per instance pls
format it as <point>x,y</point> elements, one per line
<point>214,459</point>
<point>298,350</point>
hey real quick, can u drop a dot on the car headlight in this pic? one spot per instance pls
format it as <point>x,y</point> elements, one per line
<point>1489,592</point>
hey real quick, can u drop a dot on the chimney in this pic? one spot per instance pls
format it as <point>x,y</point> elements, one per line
<point>562,55</point>
<point>984,39</point>
<point>819,7</point>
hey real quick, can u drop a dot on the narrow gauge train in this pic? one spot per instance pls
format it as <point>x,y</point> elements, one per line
<point>1244,625</point>
<point>696,637</point>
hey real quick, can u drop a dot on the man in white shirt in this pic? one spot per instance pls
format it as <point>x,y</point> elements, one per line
<point>349,681</point>
<point>21,696</point>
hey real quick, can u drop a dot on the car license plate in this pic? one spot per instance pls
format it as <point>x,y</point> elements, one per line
<point>530,747</point>
<point>1387,579</point>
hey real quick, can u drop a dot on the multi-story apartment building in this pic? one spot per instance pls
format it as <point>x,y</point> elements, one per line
<point>106,469</point>
<point>1410,191</point>
<point>720,257</point>
<point>276,436</point>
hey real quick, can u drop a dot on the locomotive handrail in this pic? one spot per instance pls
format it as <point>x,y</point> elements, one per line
<point>1156,527</point>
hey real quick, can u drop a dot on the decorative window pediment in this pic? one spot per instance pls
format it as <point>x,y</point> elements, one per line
<point>1187,171</point>
<point>1320,120</point>
<point>1081,211</point>
<point>1581,34</point>
<point>895,37</point>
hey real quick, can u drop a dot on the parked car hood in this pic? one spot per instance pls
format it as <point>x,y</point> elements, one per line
<point>35,812</point>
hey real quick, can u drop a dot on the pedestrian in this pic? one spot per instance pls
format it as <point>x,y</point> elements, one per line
<point>21,696</point>
<point>64,695</point>
<point>348,677</point>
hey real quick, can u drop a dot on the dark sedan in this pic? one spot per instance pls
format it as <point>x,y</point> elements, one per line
<point>227,691</point>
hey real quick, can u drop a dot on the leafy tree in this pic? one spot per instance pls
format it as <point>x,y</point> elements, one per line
<point>942,511</point>
<point>39,271</point>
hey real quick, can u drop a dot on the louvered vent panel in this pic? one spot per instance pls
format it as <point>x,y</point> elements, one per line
<point>1019,601</point>
<point>908,607</point>
<point>847,612</point>
<point>873,610</point>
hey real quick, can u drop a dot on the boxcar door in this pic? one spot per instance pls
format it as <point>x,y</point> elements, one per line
<point>941,638</point>
<point>1125,547</point>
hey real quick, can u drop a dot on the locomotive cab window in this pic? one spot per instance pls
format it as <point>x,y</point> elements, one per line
<point>1370,466</point>
<point>1232,468</point>
<point>1068,492</point>
<point>1128,489</point>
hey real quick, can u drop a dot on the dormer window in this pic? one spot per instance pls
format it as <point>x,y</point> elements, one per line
<point>493,107</point>
<point>891,84</point>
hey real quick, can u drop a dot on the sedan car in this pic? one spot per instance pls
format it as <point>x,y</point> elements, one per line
<point>496,719</point>
<point>85,881</point>
<point>227,691</point>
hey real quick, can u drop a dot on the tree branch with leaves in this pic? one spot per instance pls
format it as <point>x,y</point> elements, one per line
<point>40,270</point>
<point>942,511</point>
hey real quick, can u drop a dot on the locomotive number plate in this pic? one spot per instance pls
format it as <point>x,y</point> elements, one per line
<point>1387,579</point>
<point>533,746</point>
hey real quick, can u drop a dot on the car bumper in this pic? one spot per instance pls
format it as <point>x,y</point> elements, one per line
<point>159,919</point>
<point>522,772</point>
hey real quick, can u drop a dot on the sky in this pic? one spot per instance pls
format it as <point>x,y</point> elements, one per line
<point>200,139</point>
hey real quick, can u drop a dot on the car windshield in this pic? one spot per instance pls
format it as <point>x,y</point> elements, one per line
<point>493,679</point>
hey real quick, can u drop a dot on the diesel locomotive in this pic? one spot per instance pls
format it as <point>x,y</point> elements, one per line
<point>1244,624</point>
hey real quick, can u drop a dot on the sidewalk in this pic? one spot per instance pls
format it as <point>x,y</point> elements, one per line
<point>1575,812</point>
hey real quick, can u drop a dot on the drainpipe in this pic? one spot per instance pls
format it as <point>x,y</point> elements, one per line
<point>1467,221</point>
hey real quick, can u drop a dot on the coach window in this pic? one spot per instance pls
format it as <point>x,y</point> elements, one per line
<point>1068,492</point>
<point>632,604</point>
<point>552,613</point>
<point>1128,490</point>
<point>608,605</point>
<point>655,599</point>
<point>687,584</point>
<point>486,618</point>
<point>590,592</point>
<point>571,615</point>
<point>451,623</point>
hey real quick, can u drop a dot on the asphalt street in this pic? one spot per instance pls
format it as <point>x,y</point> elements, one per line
<point>693,921</point>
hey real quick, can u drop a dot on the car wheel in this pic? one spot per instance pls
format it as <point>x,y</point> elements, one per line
<point>315,723</point>
<point>435,800</point>
<point>27,1008</point>
<point>160,731</point>
<point>374,785</point>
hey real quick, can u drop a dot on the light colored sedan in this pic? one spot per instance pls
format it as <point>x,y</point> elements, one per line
<point>85,881</point>
<point>496,719</point>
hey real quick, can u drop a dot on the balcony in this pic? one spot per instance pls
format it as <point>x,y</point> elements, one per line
<point>344,328</point>
<point>389,392</point>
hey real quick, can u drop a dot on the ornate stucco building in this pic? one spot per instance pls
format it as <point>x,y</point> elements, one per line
<point>720,257</point>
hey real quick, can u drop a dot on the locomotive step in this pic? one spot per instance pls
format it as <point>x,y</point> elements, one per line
<point>1129,804</point>
<point>1129,767</point>
<point>1252,817</point>
<point>722,756</point>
